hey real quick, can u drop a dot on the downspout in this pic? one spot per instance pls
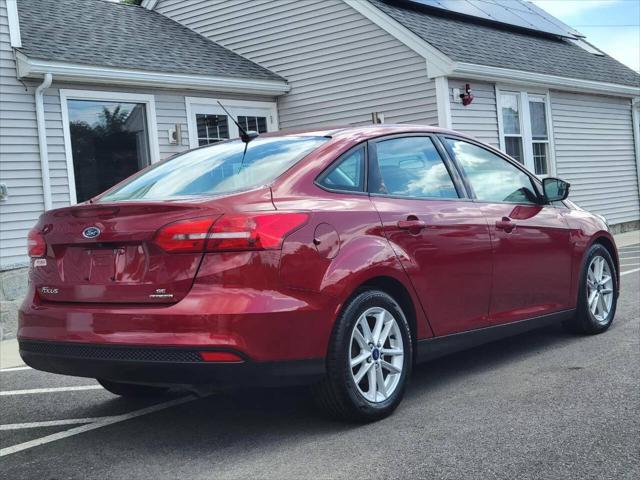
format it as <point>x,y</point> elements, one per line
<point>635,117</point>
<point>42,141</point>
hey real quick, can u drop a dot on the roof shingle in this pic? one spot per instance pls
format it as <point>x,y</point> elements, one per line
<point>108,34</point>
<point>466,40</point>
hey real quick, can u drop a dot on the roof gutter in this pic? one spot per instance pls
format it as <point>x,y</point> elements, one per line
<point>507,75</point>
<point>42,140</point>
<point>35,68</point>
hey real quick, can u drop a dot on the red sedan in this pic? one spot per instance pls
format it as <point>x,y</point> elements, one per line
<point>335,257</point>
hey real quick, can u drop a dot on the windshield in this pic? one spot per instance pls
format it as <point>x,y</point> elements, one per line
<point>217,169</point>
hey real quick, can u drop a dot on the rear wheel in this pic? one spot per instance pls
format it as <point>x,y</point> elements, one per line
<point>369,359</point>
<point>597,297</point>
<point>132,389</point>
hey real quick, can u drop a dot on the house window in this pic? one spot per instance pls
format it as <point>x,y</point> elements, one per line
<point>253,124</point>
<point>539,134</point>
<point>524,132</point>
<point>211,128</point>
<point>109,142</point>
<point>511,125</point>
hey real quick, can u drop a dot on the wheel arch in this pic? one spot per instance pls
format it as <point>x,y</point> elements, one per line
<point>608,243</point>
<point>399,292</point>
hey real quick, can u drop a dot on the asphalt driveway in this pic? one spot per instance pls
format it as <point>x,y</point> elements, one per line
<point>546,404</point>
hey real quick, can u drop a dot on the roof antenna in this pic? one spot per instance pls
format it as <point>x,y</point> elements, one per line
<point>245,136</point>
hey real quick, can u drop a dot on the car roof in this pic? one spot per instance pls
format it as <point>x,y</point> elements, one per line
<point>363,132</point>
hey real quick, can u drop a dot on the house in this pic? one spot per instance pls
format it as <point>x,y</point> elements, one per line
<point>92,91</point>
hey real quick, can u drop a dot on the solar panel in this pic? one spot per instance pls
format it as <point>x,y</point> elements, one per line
<point>508,12</point>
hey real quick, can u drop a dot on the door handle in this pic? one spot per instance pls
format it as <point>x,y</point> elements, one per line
<point>505,224</point>
<point>412,224</point>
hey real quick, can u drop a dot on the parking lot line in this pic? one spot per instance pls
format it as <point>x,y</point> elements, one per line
<point>50,423</point>
<point>14,369</point>
<point>630,271</point>
<point>95,425</point>
<point>50,390</point>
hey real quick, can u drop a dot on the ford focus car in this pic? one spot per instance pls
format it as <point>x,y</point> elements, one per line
<point>337,258</point>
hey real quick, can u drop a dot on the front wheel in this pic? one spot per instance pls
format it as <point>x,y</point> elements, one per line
<point>597,294</point>
<point>369,359</point>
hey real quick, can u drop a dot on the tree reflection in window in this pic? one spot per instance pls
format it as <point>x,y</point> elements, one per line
<point>109,143</point>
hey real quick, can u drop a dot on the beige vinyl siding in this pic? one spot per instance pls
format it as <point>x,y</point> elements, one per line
<point>341,66</point>
<point>594,147</point>
<point>480,119</point>
<point>19,156</point>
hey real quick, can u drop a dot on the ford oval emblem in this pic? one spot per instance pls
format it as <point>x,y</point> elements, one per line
<point>91,232</point>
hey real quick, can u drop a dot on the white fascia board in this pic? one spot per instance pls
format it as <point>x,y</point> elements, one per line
<point>34,68</point>
<point>443,100</point>
<point>438,63</point>
<point>485,72</point>
<point>149,4</point>
<point>14,23</point>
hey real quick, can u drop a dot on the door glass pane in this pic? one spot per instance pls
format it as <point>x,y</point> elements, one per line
<point>253,124</point>
<point>109,142</point>
<point>493,178</point>
<point>412,167</point>
<point>212,128</point>
<point>538,120</point>
<point>347,174</point>
<point>513,147</point>
<point>540,158</point>
<point>510,113</point>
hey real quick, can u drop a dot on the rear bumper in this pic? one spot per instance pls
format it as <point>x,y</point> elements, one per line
<point>163,365</point>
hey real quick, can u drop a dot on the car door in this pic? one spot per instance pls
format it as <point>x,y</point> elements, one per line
<point>441,237</point>
<point>532,251</point>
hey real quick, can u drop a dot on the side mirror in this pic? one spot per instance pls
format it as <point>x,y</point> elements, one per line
<point>555,189</point>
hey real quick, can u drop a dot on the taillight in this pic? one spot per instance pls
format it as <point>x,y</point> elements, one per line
<point>263,231</point>
<point>36,245</point>
<point>185,236</point>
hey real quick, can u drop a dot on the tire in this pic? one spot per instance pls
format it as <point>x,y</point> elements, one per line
<point>132,389</point>
<point>587,320</point>
<point>338,394</point>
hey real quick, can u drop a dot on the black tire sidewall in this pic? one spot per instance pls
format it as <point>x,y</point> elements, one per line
<point>341,345</point>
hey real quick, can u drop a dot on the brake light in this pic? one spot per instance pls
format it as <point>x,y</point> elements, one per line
<point>253,231</point>
<point>36,245</point>
<point>184,236</point>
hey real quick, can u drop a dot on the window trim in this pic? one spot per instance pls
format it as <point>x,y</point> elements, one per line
<point>525,125</point>
<point>105,96</point>
<point>233,106</point>
<point>317,181</point>
<point>535,181</point>
<point>456,179</point>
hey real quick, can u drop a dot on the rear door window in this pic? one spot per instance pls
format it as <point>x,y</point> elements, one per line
<point>411,167</point>
<point>492,178</point>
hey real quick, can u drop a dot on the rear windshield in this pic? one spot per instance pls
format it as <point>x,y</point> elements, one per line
<point>217,169</point>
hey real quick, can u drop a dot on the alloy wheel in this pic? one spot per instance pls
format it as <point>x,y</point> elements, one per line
<point>377,354</point>
<point>599,289</point>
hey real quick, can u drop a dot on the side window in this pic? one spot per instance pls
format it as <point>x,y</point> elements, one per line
<point>346,174</point>
<point>493,178</point>
<point>411,167</point>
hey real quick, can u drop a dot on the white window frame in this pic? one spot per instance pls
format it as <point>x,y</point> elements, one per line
<point>525,125</point>
<point>235,108</point>
<point>96,95</point>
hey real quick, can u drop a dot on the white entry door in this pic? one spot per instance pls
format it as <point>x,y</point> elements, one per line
<point>209,123</point>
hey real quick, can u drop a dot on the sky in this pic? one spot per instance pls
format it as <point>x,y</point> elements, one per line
<point>611,25</point>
